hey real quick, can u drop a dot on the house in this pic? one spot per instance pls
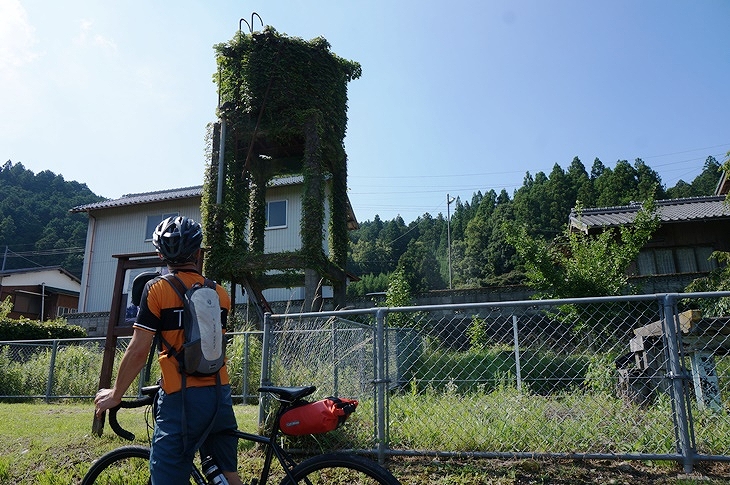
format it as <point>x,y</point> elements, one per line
<point>679,250</point>
<point>42,293</point>
<point>124,226</point>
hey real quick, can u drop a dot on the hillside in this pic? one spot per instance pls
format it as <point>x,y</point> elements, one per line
<point>36,227</point>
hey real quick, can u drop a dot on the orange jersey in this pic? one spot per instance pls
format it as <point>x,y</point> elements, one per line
<point>161,311</point>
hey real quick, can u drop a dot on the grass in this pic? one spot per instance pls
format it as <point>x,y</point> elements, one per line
<point>457,401</point>
<point>52,444</point>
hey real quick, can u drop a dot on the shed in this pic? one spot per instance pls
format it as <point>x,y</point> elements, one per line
<point>41,293</point>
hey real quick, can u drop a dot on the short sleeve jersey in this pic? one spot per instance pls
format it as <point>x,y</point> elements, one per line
<point>161,311</point>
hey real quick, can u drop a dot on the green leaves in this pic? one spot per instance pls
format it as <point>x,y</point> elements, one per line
<point>580,265</point>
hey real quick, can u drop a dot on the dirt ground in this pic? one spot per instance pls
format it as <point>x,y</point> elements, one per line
<point>574,472</point>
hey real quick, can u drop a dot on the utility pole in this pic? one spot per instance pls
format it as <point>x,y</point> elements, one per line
<point>449,200</point>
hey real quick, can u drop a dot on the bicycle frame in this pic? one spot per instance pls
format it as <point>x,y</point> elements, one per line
<point>286,396</point>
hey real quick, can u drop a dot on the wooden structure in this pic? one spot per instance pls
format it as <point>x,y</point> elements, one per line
<point>118,325</point>
<point>702,339</point>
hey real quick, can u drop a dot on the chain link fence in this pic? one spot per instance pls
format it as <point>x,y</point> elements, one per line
<point>616,378</point>
<point>70,368</point>
<point>635,377</point>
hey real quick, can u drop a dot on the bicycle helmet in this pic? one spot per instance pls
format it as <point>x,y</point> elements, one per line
<point>177,239</point>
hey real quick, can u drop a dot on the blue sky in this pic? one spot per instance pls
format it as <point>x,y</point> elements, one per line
<point>455,97</point>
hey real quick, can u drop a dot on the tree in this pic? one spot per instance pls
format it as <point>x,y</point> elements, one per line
<point>648,182</point>
<point>617,186</point>
<point>597,169</point>
<point>399,295</point>
<point>582,184</point>
<point>34,215</point>
<point>369,283</point>
<point>581,265</point>
<point>719,279</point>
<point>476,237</point>
<point>420,268</point>
<point>704,184</point>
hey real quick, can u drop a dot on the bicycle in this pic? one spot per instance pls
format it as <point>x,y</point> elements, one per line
<point>130,464</point>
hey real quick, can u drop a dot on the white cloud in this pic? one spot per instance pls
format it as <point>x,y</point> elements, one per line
<point>88,37</point>
<point>17,38</point>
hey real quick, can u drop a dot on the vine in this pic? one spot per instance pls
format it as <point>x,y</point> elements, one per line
<point>284,102</point>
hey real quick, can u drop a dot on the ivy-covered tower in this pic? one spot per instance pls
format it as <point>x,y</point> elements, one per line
<point>283,111</point>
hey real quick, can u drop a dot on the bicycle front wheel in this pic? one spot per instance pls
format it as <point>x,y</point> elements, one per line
<point>125,465</point>
<point>338,468</point>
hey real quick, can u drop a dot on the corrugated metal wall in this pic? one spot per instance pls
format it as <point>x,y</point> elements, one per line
<point>120,231</point>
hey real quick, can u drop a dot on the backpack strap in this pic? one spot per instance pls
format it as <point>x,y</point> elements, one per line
<point>180,288</point>
<point>177,285</point>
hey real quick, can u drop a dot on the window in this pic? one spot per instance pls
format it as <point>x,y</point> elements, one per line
<point>23,303</point>
<point>675,261</point>
<point>276,214</point>
<point>153,222</point>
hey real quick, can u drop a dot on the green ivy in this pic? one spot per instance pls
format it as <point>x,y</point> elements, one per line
<point>288,97</point>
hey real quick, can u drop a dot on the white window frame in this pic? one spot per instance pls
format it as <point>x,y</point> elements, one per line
<point>268,209</point>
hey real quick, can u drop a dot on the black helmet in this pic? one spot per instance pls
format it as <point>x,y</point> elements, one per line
<point>177,239</point>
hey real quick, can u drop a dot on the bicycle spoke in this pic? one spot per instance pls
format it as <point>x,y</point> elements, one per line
<point>340,469</point>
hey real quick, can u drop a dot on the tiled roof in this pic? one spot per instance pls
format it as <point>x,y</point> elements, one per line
<point>171,194</point>
<point>672,210</point>
<point>143,198</point>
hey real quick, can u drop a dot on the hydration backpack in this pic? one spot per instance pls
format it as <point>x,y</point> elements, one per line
<point>204,349</point>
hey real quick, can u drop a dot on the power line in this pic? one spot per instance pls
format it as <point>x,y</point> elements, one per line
<point>45,252</point>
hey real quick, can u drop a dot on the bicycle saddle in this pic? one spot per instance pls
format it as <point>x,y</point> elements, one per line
<point>289,394</point>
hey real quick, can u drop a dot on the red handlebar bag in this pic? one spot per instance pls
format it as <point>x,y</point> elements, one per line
<point>316,417</point>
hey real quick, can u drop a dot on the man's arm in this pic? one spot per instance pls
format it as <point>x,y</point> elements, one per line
<point>134,359</point>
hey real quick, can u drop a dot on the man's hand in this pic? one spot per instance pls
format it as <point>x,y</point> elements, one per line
<point>105,400</point>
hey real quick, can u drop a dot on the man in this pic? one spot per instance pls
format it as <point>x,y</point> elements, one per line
<point>182,416</point>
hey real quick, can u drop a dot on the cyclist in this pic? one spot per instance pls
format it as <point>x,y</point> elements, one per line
<point>183,418</point>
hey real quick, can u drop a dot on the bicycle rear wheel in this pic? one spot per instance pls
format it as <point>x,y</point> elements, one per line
<point>129,465</point>
<point>340,469</point>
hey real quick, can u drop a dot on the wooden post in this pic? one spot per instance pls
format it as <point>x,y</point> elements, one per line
<point>116,327</point>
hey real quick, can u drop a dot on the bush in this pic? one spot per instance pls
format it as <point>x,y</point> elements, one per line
<point>11,374</point>
<point>24,329</point>
<point>76,371</point>
<point>541,372</point>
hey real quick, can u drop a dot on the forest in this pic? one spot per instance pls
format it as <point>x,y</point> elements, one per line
<point>38,229</point>
<point>480,253</point>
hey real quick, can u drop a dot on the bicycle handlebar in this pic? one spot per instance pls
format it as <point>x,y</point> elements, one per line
<point>147,399</point>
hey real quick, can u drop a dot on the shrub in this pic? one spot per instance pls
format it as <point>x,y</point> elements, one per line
<point>25,329</point>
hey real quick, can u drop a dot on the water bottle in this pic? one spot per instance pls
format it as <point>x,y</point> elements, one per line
<point>212,472</point>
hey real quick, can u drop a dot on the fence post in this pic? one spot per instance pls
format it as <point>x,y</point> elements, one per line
<point>677,377</point>
<point>381,383</point>
<point>246,355</point>
<point>265,367</point>
<point>49,383</point>
<point>518,370</point>
<point>335,360</point>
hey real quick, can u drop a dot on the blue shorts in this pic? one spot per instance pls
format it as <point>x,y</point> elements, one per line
<point>170,460</point>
